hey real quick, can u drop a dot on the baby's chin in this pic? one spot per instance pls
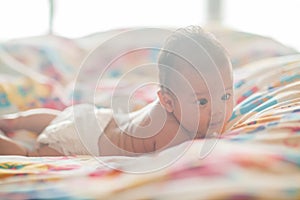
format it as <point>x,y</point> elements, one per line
<point>208,133</point>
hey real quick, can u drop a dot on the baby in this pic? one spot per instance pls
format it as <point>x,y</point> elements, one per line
<point>195,100</point>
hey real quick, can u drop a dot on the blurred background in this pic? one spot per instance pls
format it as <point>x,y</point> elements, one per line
<point>69,18</point>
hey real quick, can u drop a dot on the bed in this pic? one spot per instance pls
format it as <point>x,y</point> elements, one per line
<point>259,158</point>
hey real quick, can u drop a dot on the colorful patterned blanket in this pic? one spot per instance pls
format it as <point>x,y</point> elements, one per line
<point>233,170</point>
<point>257,158</point>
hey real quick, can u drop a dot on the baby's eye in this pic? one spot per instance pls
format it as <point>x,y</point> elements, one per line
<point>226,96</point>
<point>202,102</point>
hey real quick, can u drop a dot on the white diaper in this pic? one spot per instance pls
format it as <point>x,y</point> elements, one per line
<point>76,130</point>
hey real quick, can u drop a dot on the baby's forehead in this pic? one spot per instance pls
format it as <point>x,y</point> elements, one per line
<point>202,70</point>
<point>201,78</point>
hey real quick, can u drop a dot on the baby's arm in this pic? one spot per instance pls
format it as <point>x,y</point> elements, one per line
<point>34,120</point>
<point>10,147</point>
<point>120,144</point>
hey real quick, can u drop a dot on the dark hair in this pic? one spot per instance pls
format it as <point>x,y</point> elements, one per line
<point>192,45</point>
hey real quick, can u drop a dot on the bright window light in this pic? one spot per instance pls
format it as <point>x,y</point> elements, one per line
<point>19,18</point>
<point>77,18</point>
<point>83,17</point>
<point>277,19</point>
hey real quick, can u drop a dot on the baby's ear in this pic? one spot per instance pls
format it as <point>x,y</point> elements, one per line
<point>166,100</point>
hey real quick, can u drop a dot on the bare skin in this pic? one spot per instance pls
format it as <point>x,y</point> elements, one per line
<point>130,141</point>
<point>183,116</point>
<point>115,141</point>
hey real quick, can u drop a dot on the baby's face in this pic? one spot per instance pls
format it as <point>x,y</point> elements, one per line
<point>203,106</point>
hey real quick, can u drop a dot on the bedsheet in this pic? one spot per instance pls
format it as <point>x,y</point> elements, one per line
<point>232,171</point>
<point>258,158</point>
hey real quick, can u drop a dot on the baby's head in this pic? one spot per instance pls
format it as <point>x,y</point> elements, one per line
<point>195,75</point>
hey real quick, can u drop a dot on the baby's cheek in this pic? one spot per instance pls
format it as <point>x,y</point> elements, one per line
<point>229,110</point>
<point>197,118</point>
<point>191,112</point>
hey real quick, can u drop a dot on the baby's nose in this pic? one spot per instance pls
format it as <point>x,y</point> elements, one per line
<point>218,110</point>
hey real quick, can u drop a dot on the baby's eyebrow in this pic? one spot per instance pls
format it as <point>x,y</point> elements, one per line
<point>202,93</point>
